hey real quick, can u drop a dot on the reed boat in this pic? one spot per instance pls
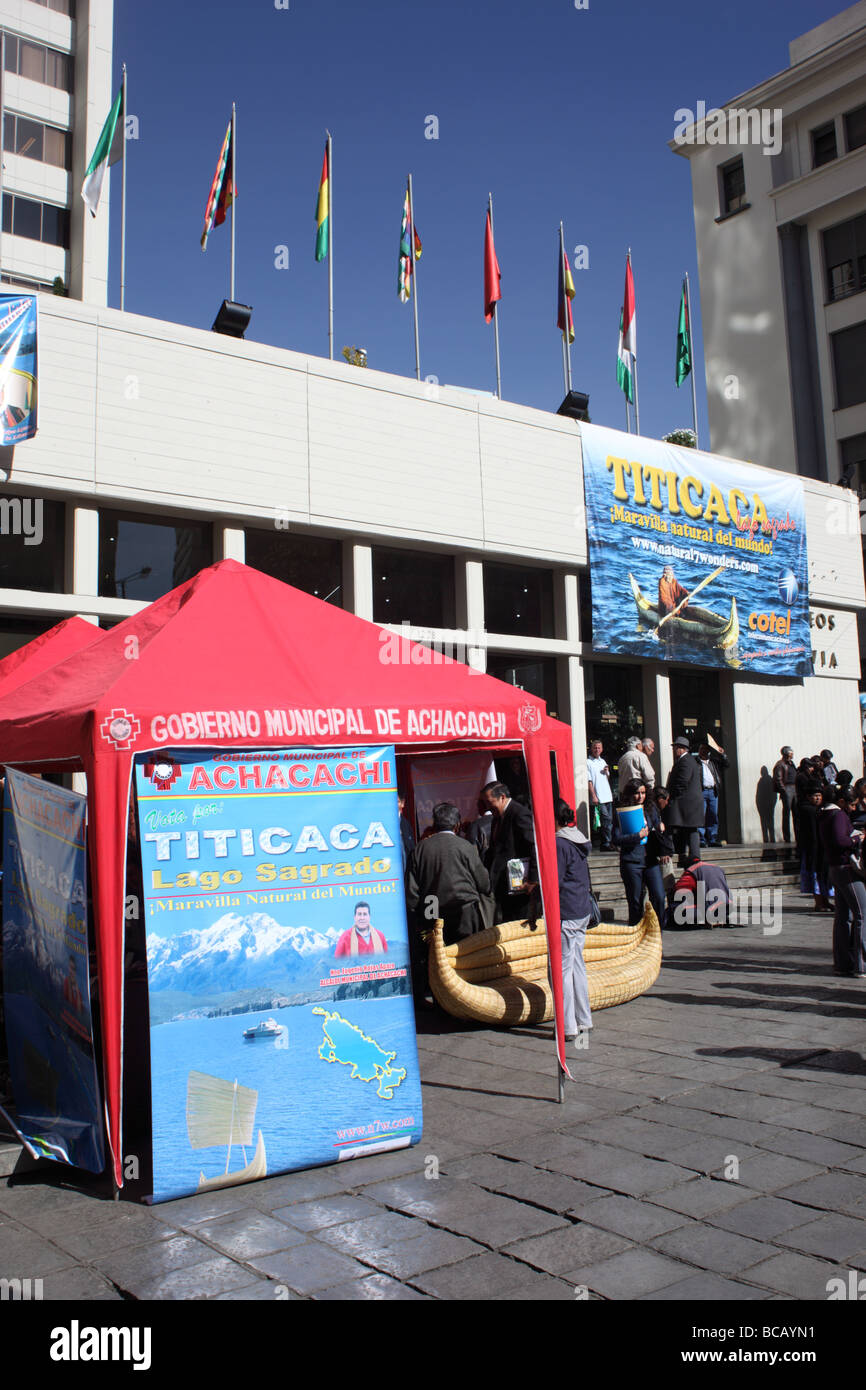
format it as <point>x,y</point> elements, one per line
<point>501,975</point>
<point>222,1112</point>
<point>705,625</point>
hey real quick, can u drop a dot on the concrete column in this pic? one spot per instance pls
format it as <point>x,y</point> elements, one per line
<point>470,611</point>
<point>358,579</point>
<point>82,554</point>
<point>230,543</point>
<point>657,717</point>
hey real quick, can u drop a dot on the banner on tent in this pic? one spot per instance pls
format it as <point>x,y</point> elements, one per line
<point>282,1028</point>
<point>18,367</point>
<point>46,975</point>
<point>664,521</point>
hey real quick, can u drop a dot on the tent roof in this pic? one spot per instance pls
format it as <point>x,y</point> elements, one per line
<point>65,639</point>
<point>234,639</point>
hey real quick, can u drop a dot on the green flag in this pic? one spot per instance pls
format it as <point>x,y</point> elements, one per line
<point>684,340</point>
<point>109,149</point>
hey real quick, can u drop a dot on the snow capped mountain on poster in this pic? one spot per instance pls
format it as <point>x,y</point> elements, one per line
<point>238,952</point>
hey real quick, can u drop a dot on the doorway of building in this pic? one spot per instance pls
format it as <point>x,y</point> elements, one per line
<point>614,709</point>
<point>696,711</point>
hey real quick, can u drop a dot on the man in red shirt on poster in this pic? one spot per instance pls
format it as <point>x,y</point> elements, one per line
<point>362,938</point>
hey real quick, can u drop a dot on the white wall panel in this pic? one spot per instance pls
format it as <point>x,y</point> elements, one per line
<point>391,461</point>
<point>533,484</point>
<point>817,714</point>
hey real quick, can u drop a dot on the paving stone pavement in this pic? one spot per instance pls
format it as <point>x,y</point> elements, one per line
<point>710,1147</point>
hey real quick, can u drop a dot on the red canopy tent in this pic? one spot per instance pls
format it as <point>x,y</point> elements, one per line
<point>70,636</point>
<point>233,658</point>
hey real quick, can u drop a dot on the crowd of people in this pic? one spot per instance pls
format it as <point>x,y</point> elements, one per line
<point>824,815</point>
<point>477,872</point>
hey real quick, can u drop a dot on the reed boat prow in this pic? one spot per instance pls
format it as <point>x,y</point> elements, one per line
<point>500,975</point>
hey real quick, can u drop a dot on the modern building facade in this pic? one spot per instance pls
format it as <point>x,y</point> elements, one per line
<point>452,517</point>
<point>56,93</point>
<point>456,519</point>
<point>779,192</point>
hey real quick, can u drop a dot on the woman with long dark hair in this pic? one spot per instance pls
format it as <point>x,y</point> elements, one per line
<point>632,852</point>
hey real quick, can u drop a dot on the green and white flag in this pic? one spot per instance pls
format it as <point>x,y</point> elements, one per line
<point>108,151</point>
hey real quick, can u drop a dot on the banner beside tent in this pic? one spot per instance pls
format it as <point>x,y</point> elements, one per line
<point>46,973</point>
<point>18,367</point>
<point>281,1020</point>
<point>663,520</point>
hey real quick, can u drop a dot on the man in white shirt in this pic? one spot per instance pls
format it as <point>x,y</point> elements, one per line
<point>600,794</point>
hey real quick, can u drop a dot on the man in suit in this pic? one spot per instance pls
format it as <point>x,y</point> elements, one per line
<point>512,837</point>
<point>686,810</point>
<point>445,878</point>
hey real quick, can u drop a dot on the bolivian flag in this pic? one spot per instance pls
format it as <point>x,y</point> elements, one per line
<point>566,294</point>
<point>109,149</point>
<point>222,190</point>
<point>406,268</point>
<point>323,211</point>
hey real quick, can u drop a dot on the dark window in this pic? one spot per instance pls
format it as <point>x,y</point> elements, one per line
<point>849,365</point>
<point>55,225</point>
<point>845,257</point>
<point>142,559</point>
<point>39,64</point>
<point>584,596</point>
<point>27,218</point>
<point>852,459</point>
<point>824,144</point>
<point>537,674</point>
<point>38,221</point>
<point>855,128</point>
<point>311,563</point>
<point>31,544</point>
<point>59,6</point>
<point>31,61</point>
<point>33,140</point>
<point>733,186</point>
<point>518,600</point>
<point>411,586</point>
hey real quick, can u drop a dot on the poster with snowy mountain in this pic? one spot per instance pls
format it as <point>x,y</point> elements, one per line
<point>281,1020</point>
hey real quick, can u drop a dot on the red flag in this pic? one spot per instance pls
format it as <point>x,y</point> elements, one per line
<point>492,273</point>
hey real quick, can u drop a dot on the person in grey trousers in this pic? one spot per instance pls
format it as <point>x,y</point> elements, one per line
<point>575,912</point>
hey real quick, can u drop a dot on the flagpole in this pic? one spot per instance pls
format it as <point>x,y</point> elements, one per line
<point>565,312</point>
<point>413,265</point>
<point>330,248</point>
<point>123,200</point>
<point>495,307</point>
<point>692,356</point>
<point>234,194</point>
<point>634,316</point>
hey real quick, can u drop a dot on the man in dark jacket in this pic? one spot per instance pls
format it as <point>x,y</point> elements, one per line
<point>686,809</point>
<point>512,837</point>
<point>445,878</point>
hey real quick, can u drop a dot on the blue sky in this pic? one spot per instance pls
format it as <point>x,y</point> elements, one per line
<point>561,113</point>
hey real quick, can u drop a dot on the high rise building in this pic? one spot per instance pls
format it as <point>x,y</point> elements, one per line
<point>779,192</point>
<point>56,94</point>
